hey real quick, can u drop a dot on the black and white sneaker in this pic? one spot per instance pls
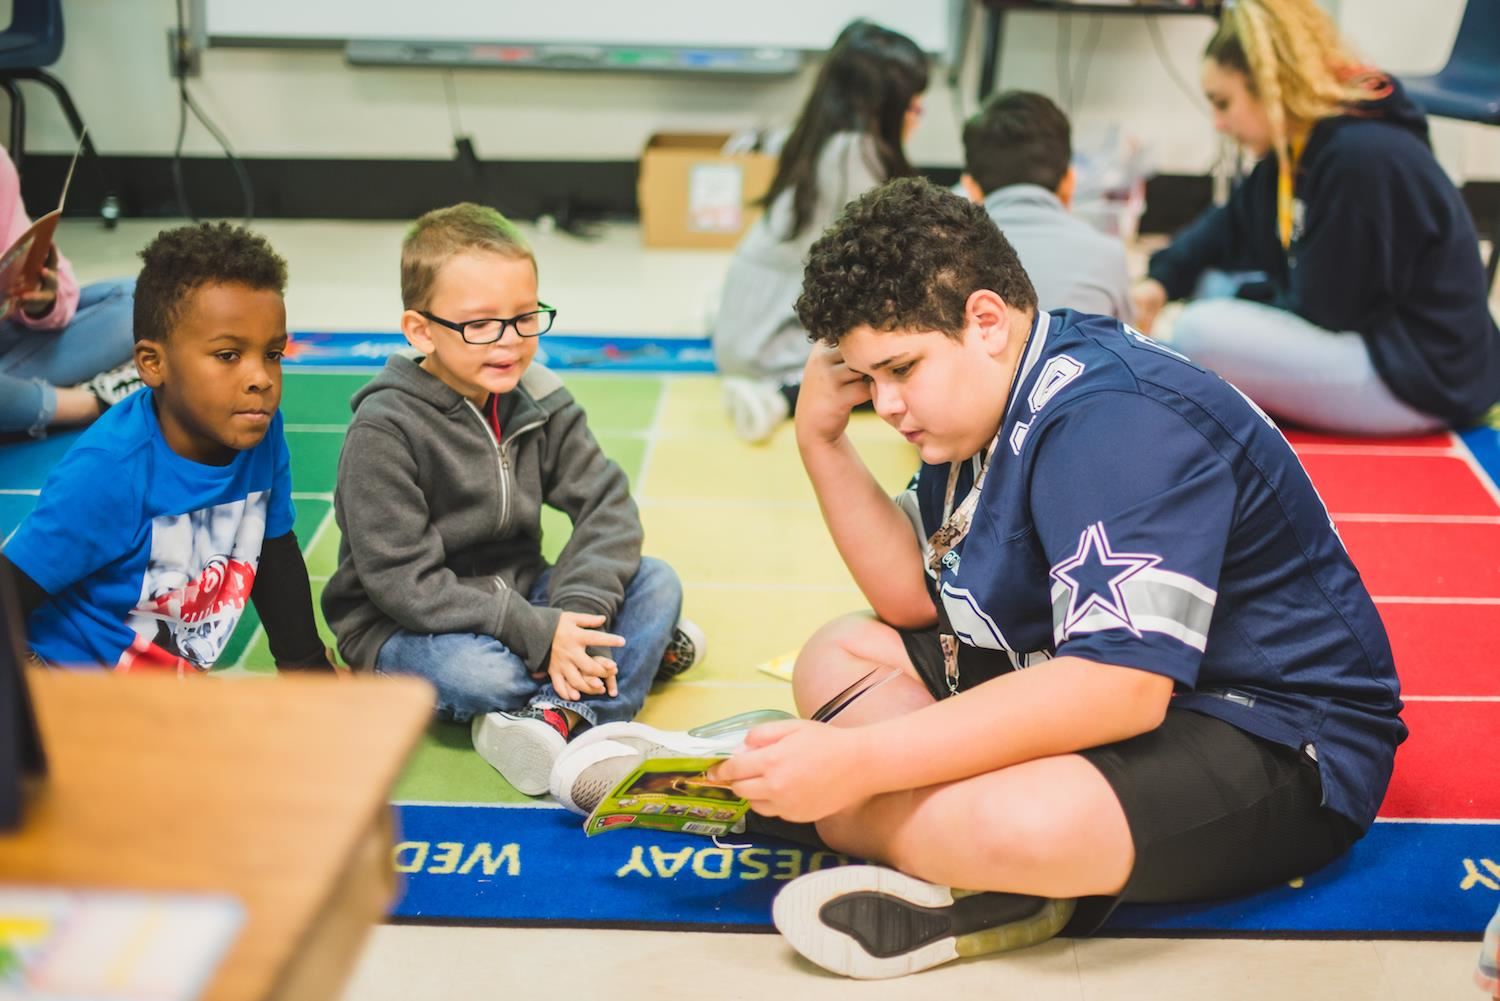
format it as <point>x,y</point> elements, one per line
<point>687,647</point>
<point>113,386</point>
<point>522,746</point>
<point>869,922</point>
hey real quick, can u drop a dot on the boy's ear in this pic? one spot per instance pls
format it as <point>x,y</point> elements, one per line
<point>971,188</point>
<point>988,317</point>
<point>414,327</point>
<point>150,361</point>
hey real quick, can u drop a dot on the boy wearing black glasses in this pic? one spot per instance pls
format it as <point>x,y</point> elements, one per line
<point>443,475</point>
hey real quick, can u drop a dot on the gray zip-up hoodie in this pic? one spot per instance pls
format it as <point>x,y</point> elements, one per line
<point>442,525</point>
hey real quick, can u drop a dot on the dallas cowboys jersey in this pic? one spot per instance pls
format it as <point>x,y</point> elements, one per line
<point>1140,511</point>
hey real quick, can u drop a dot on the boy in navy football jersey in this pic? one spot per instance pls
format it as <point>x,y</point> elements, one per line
<point>174,509</point>
<point>1136,662</point>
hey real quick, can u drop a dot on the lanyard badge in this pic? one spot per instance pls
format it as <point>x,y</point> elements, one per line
<point>950,533</point>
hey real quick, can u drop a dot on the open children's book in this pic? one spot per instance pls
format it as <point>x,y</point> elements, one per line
<point>676,794</point>
<point>21,264</point>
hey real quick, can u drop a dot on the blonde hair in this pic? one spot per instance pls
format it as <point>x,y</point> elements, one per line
<point>1291,55</point>
<point>442,233</point>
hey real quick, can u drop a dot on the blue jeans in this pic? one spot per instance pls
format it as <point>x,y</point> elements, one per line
<point>34,362</point>
<point>479,674</point>
<point>1297,371</point>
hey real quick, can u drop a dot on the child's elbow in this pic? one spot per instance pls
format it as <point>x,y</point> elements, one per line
<point>1149,697</point>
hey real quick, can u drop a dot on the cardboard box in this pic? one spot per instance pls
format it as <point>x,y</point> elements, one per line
<point>692,196</point>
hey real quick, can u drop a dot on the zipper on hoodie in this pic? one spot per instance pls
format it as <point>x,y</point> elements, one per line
<point>502,468</point>
<point>502,460</point>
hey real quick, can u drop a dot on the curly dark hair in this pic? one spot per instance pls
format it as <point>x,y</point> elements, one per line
<point>907,256</point>
<point>181,260</point>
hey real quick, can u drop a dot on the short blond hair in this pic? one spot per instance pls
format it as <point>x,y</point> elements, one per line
<point>442,233</point>
<point>1294,61</point>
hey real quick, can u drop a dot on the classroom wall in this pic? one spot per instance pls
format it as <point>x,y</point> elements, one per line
<point>309,104</point>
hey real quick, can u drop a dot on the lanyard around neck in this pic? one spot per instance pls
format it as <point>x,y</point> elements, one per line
<point>956,522</point>
<point>1286,172</point>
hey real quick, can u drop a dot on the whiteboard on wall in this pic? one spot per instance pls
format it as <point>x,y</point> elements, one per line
<point>789,24</point>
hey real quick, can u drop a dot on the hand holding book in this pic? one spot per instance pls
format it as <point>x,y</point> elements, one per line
<point>40,299</point>
<point>28,267</point>
<point>707,789</point>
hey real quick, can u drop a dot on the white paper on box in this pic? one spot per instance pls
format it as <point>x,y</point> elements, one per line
<point>715,198</point>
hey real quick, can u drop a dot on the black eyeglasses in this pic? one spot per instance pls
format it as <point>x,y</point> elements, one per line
<point>489,329</point>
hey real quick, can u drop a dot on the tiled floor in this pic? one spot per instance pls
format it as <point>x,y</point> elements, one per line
<point>740,525</point>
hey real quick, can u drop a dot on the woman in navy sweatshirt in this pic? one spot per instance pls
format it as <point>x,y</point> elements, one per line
<point>1364,309</point>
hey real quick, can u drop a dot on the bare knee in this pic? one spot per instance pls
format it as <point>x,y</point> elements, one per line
<point>836,656</point>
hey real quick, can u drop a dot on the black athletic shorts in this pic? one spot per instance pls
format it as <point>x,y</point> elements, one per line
<point>1213,811</point>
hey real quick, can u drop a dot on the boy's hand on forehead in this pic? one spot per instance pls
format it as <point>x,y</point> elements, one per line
<point>830,390</point>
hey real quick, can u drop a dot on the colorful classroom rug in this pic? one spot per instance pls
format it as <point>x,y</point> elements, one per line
<point>564,352</point>
<point>1420,517</point>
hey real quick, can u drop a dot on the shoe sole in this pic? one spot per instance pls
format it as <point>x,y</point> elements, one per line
<point>873,923</point>
<point>522,754</point>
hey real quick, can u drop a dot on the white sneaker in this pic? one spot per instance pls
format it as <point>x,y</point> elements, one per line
<point>522,746</point>
<point>601,756</point>
<point>113,386</point>
<point>869,922</point>
<point>756,407</point>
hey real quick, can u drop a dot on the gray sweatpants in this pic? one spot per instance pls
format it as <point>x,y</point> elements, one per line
<point>1297,371</point>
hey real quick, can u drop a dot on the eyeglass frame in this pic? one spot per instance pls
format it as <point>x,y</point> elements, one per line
<point>505,323</point>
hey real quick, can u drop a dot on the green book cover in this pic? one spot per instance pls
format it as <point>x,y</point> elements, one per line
<point>669,794</point>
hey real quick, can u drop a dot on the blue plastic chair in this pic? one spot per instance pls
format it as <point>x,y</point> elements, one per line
<point>1468,87</point>
<point>34,40</point>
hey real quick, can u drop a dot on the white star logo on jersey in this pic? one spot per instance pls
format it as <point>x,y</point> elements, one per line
<point>1093,575</point>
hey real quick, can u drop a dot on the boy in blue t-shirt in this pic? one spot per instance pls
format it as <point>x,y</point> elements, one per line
<point>175,509</point>
<point>1128,656</point>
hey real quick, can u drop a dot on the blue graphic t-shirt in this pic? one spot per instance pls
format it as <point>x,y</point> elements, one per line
<point>149,557</point>
<point>1140,511</point>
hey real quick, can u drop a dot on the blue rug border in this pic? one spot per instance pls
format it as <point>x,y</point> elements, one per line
<point>1403,881</point>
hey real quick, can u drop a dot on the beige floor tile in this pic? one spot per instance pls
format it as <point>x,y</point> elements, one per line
<point>1430,971</point>
<point>743,544</point>
<point>436,964</point>
<point>1230,970</point>
<point>746,627</point>
<point>718,467</point>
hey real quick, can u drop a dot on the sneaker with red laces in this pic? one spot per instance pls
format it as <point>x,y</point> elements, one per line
<point>685,649</point>
<point>522,745</point>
